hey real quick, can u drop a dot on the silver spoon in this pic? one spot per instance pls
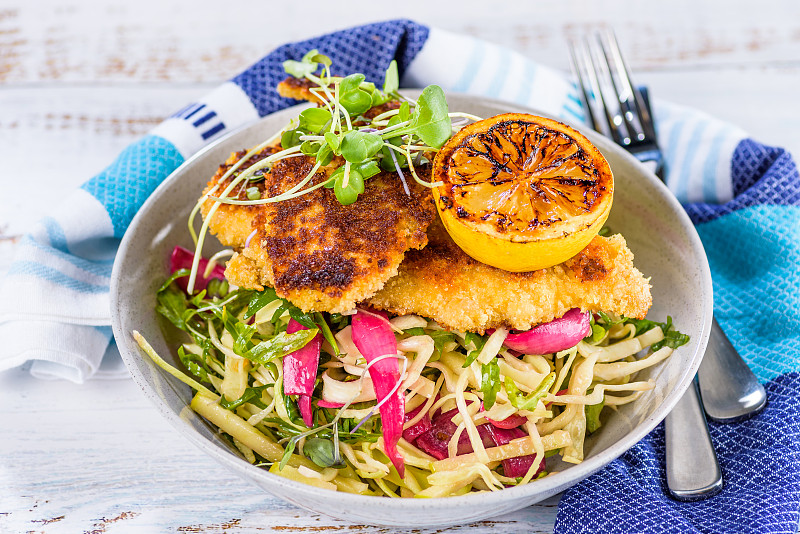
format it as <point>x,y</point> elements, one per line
<point>729,389</point>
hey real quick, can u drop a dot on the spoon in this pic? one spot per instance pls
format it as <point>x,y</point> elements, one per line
<point>729,389</point>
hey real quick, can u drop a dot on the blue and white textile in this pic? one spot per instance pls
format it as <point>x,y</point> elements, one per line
<point>744,198</point>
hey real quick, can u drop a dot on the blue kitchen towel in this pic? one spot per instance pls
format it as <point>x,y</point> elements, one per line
<point>752,246</point>
<point>743,197</point>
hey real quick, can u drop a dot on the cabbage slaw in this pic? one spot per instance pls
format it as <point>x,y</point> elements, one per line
<point>398,407</point>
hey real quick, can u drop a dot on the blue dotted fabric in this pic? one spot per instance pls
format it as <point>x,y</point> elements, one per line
<point>760,175</point>
<point>752,247</point>
<point>124,186</point>
<point>754,257</point>
<point>759,460</point>
<point>367,49</point>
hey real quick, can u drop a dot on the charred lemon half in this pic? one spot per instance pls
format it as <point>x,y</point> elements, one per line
<point>521,192</point>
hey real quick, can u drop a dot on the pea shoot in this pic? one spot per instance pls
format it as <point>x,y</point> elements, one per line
<point>362,146</point>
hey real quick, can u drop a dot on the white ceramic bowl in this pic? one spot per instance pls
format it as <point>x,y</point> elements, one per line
<point>662,237</point>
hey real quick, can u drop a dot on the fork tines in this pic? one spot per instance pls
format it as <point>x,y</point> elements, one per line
<point>615,107</point>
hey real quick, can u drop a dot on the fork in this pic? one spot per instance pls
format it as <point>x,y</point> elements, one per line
<point>730,391</point>
<point>628,119</point>
<point>693,471</point>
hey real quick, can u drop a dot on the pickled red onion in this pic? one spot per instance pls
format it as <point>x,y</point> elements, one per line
<point>558,334</point>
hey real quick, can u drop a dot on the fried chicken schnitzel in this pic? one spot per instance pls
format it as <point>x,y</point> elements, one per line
<point>443,283</point>
<point>316,252</point>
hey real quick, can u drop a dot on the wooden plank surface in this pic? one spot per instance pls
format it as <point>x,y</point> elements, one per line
<point>81,79</point>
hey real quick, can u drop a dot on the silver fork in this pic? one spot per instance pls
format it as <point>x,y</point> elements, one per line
<point>729,389</point>
<point>624,116</point>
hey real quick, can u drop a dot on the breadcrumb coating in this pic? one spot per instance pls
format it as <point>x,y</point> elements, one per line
<point>442,283</point>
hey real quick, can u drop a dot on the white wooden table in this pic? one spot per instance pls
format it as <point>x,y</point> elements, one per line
<point>80,80</point>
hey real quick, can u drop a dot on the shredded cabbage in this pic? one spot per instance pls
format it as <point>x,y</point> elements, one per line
<point>239,389</point>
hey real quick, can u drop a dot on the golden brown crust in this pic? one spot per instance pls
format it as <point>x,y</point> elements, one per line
<point>319,254</point>
<point>444,284</point>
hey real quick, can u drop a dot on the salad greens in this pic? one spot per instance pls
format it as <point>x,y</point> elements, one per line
<point>238,343</point>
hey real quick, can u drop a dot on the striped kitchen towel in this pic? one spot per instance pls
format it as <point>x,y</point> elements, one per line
<point>743,196</point>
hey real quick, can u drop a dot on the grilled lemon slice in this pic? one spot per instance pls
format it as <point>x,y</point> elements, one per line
<point>522,192</point>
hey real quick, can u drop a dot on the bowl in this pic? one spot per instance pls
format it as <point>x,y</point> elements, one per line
<point>661,236</point>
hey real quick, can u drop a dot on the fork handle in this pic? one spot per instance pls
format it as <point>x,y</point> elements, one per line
<point>693,471</point>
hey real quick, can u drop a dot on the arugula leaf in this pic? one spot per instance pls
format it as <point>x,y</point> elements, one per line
<point>259,300</point>
<point>180,273</point>
<point>287,453</point>
<point>280,345</point>
<point>473,340</point>
<point>598,333</point>
<point>285,305</point>
<point>490,383</point>
<point>243,336</point>
<point>320,322</point>
<point>440,338</point>
<point>672,338</point>
<point>339,321</point>
<point>172,304</point>
<point>642,325</point>
<point>292,410</point>
<point>521,401</point>
<point>302,317</point>
<point>251,395</point>
<point>194,363</point>
<point>241,332</point>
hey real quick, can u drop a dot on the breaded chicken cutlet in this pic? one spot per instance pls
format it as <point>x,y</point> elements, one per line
<point>316,252</point>
<point>324,256</point>
<point>443,283</point>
